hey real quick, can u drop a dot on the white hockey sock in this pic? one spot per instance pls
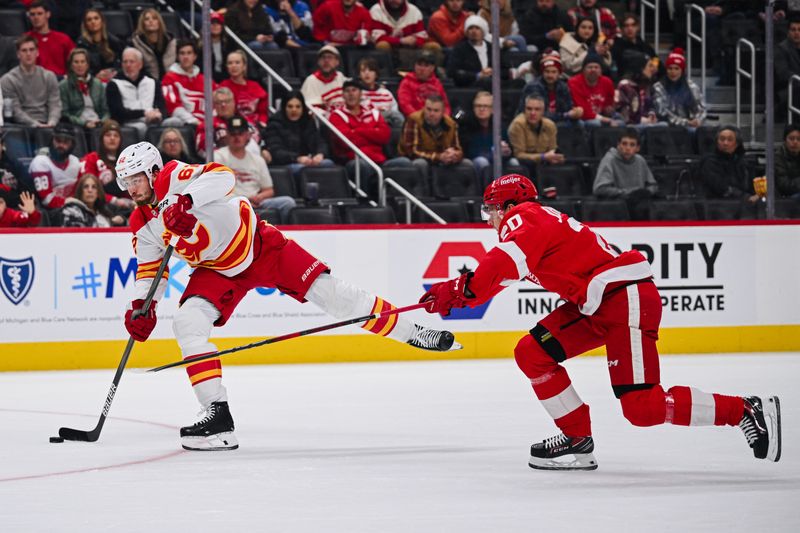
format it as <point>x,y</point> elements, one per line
<point>192,326</point>
<point>343,300</point>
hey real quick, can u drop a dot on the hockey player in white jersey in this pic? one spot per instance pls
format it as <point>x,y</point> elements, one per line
<point>232,252</point>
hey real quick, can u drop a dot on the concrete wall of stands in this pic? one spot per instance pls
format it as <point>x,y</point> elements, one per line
<point>725,287</point>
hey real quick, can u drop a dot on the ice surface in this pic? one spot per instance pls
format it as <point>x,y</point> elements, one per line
<point>387,447</point>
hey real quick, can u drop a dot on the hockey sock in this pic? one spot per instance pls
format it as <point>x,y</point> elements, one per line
<point>554,389</point>
<point>343,300</point>
<point>192,326</point>
<point>687,406</point>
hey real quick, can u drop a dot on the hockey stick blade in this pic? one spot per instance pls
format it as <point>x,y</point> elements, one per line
<point>93,435</point>
<point>288,336</point>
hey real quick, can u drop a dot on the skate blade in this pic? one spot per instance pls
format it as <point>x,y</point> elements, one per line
<point>212,443</point>
<point>455,346</point>
<point>772,414</point>
<point>581,461</point>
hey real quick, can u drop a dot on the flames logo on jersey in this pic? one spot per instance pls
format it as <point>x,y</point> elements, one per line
<point>450,260</point>
<point>191,248</point>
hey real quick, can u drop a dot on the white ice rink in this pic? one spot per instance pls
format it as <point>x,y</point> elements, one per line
<point>400,447</point>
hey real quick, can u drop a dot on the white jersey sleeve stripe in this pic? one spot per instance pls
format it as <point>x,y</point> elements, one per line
<point>512,250</point>
<point>596,287</point>
<point>637,352</point>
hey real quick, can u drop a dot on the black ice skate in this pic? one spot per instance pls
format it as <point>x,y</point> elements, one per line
<point>433,339</point>
<point>213,432</point>
<point>761,424</point>
<point>575,451</point>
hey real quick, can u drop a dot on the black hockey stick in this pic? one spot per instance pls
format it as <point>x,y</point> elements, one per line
<point>93,435</point>
<point>288,336</point>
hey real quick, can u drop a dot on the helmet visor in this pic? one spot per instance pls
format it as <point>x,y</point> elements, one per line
<point>487,210</point>
<point>133,181</point>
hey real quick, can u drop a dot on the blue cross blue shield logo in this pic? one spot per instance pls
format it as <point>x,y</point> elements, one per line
<point>16,278</point>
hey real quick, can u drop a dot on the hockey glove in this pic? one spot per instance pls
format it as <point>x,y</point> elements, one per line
<point>446,295</point>
<point>141,326</point>
<point>177,218</point>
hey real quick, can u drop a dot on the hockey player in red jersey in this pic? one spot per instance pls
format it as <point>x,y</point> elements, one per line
<point>231,252</point>
<point>611,300</point>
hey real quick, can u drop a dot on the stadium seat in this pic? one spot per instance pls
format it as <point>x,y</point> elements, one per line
<point>454,181</point>
<point>118,23</point>
<point>278,60</point>
<point>603,139</point>
<point>332,182</point>
<point>384,59</point>
<point>573,144</point>
<point>461,98</point>
<point>42,136</point>
<point>173,23</point>
<point>390,149</point>
<point>604,210</point>
<point>473,206</point>
<point>673,210</point>
<point>407,177</point>
<point>451,212</point>
<point>722,209</point>
<point>674,181</point>
<point>787,208</point>
<point>369,215</point>
<point>13,22</point>
<point>314,215</point>
<point>567,179</point>
<point>667,142</point>
<point>305,62</point>
<point>16,141</point>
<point>568,207</point>
<point>283,181</point>
<point>706,139</point>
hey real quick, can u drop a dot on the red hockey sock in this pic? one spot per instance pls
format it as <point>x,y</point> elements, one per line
<point>384,325</point>
<point>687,406</point>
<point>554,389</point>
<point>204,370</point>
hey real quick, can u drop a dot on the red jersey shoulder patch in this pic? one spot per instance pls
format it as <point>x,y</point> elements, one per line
<point>163,179</point>
<point>141,216</point>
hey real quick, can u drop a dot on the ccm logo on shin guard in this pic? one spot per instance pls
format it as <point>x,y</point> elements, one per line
<point>613,363</point>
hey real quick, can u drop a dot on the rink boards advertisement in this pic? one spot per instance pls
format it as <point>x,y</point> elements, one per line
<point>724,288</point>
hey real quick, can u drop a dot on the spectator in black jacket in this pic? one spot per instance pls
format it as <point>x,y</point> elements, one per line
<point>629,48</point>
<point>469,63</point>
<point>787,163</point>
<point>787,64</point>
<point>544,24</point>
<point>292,136</point>
<point>105,49</point>
<point>725,173</point>
<point>249,20</point>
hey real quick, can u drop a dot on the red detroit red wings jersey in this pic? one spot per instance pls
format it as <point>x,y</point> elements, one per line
<point>557,252</point>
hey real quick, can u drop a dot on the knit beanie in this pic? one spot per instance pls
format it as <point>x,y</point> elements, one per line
<point>551,58</point>
<point>677,57</point>
<point>592,57</point>
<point>475,20</point>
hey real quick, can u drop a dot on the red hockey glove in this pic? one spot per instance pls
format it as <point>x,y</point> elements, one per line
<point>141,326</point>
<point>444,296</point>
<point>177,219</point>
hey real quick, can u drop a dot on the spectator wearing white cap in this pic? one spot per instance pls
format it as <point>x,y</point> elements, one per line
<point>323,88</point>
<point>469,63</point>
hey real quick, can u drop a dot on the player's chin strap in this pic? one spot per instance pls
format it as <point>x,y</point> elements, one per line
<point>288,336</point>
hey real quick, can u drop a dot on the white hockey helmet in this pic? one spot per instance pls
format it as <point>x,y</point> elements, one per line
<point>136,158</point>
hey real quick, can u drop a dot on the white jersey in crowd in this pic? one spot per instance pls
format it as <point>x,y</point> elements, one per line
<point>54,182</point>
<point>251,171</point>
<point>221,240</point>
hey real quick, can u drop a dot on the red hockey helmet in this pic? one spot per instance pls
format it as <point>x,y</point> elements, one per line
<point>513,188</point>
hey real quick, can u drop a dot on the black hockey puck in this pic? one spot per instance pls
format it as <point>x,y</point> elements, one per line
<point>56,439</point>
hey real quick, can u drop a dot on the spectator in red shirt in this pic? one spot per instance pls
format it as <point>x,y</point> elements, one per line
<point>416,86</point>
<point>365,127</point>
<point>54,46</point>
<point>594,93</point>
<point>446,25</point>
<point>342,22</point>
<point>250,96</point>
<point>26,217</point>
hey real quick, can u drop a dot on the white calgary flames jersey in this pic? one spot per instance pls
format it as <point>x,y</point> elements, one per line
<point>221,240</point>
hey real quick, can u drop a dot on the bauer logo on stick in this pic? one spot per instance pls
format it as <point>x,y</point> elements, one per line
<point>16,278</point>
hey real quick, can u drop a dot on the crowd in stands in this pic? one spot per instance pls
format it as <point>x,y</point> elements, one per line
<point>590,111</point>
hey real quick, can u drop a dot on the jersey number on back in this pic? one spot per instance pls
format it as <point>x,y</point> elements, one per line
<point>577,227</point>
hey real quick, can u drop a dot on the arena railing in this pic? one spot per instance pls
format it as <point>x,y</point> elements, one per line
<point>750,75</point>
<point>691,36</point>
<point>792,108</point>
<point>656,7</point>
<point>320,116</point>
